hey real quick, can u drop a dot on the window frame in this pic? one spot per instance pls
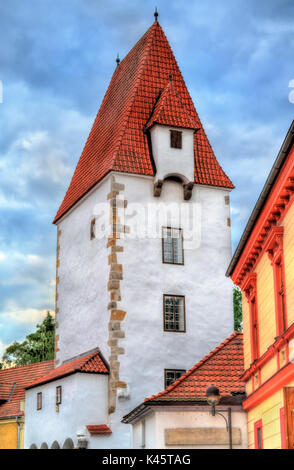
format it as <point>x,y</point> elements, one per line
<point>39,401</point>
<point>172,370</point>
<point>250,289</point>
<point>184,313</point>
<point>92,229</point>
<point>58,395</point>
<point>179,136</point>
<point>162,246</point>
<point>275,250</point>
<point>258,427</point>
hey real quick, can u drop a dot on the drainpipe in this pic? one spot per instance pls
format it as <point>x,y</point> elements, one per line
<point>18,432</point>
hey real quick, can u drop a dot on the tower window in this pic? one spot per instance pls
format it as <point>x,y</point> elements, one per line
<point>58,395</point>
<point>176,139</point>
<point>92,229</point>
<point>39,401</point>
<point>171,375</point>
<point>172,245</point>
<point>174,313</point>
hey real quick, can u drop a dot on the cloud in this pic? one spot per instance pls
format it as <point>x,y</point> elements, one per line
<point>31,316</point>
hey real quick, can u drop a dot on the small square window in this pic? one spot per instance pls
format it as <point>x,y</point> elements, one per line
<point>58,395</point>
<point>176,139</point>
<point>171,375</point>
<point>172,245</point>
<point>39,401</point>
<point>174,313</point>
<point>92,229</point>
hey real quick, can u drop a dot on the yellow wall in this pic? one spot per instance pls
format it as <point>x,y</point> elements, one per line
<point>269,412</point>
<point>266,303</point>
<point>8,434</point>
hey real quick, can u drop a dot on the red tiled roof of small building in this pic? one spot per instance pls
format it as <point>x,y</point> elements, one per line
<point>98,429</point>
<point>13,382</point>
<point>222,367</point>
<point>117,140</point>
<point>90,363</point>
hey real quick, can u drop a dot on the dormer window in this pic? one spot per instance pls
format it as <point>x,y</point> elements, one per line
<point>176,139</point>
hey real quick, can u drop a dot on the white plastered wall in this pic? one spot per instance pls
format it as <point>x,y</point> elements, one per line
<point>84,402</point>
<point>83,297</point>
<point>156,422</point>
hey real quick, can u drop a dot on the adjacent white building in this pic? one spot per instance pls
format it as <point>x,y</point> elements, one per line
<point>143,242</point>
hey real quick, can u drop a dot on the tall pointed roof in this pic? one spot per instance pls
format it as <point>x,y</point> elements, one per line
<point>117,140</point>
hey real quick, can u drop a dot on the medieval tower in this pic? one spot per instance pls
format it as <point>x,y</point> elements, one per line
<point>143,237</point>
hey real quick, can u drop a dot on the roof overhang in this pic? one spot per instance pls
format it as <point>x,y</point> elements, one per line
<point>148,407</point>
<point>282,155</point>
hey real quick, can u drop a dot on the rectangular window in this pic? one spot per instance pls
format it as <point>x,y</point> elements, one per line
<point>258,440</point>
<point>176,139</point>
<point>174,313</point>
<point>172,245</point>
<point>39,401</point>
<point>280,296</point>
<point>171,375</point>
<point>92,229</point>
<point>58,395</point>
<point>254,331</point>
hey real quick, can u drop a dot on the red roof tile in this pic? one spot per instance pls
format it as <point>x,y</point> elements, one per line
<point>90,363</point>
<point>13,382</point>
<point>98,429</point>
<point>117,140</point>
<point>222,367</point>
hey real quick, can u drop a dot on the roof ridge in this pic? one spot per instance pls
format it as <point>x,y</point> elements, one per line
<point>196,366</point>
<point>137,82</point>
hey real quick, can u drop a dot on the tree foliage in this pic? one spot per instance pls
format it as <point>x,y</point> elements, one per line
<point>37,347</point>
<point>237,302</point>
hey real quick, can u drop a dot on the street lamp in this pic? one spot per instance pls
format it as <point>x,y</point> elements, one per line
<point>213,398</point>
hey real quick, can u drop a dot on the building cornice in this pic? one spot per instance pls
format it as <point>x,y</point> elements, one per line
<point>279,343</point>
<point>270,209</point>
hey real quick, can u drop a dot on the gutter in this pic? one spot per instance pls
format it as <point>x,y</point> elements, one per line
<point>282,155</point>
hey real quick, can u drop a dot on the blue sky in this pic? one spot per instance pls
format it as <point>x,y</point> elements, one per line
<point>56,60</point>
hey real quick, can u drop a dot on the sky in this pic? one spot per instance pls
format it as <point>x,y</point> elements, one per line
<point>56,60</point>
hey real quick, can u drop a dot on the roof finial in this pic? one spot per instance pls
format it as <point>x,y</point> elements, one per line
<point>156,14</point>
<point>117,60</point>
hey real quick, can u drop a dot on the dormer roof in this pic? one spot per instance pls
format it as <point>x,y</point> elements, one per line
<point>170,111</point>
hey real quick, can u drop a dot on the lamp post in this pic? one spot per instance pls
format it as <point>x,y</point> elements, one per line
<point>213,398</point>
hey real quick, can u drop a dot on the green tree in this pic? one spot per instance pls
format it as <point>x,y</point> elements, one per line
<point>37,347</point>
<point>237,302</point>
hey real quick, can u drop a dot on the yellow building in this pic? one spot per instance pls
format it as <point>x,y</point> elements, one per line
<point>12,401</point>
<point>263,267</point>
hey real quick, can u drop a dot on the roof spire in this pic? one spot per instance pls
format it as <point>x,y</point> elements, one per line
<point>117,60</point>
<point>156,14</point>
